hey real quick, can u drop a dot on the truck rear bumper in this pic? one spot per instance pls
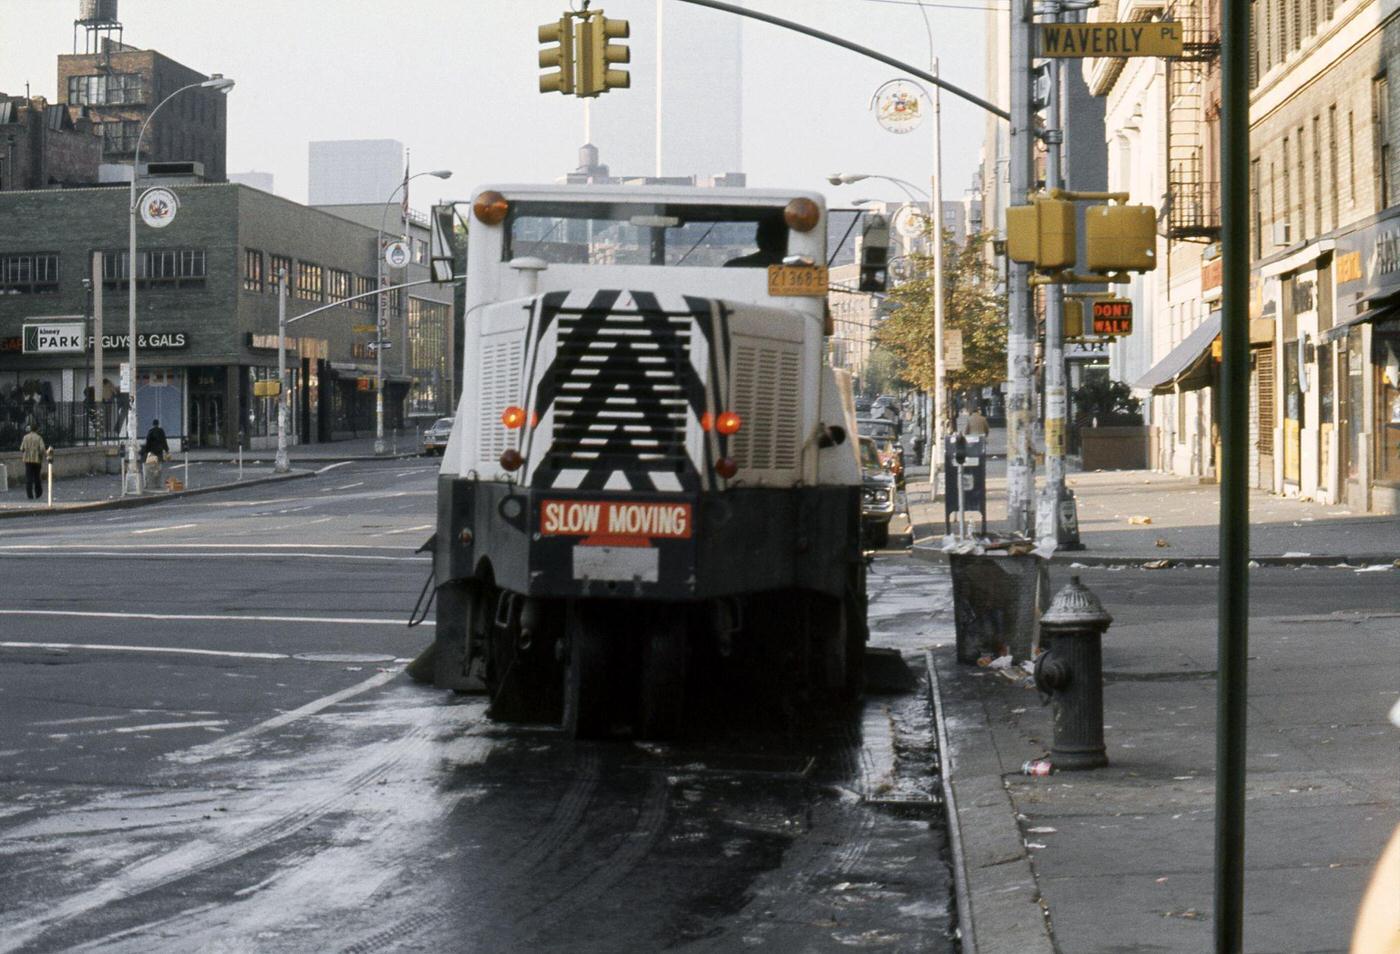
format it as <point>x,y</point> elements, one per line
<point>708,544</point>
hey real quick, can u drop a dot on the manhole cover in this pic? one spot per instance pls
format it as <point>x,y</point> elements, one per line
<point>344,657</point>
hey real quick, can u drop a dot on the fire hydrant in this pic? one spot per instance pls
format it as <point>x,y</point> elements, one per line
<point>1070,675</point>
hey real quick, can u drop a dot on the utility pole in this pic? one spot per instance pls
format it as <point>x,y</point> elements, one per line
<point>1055,505</point>
<point>940,367</point>
<point>1020,398</point>
<point>280,464</point>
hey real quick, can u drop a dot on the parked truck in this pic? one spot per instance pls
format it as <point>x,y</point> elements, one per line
<point>653,472</point>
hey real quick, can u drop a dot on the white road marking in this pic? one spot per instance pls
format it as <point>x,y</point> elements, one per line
<point>206,618</point>
<point>426,526</point>
<point>281,554</point>
<point>358,483</point>
<point>178,526</point>
<point>295,509</point>
<point>210,750</point>
<point>328,467</point>
<point>209,546</point>
<point>143,649</point>
<point>135,729</point>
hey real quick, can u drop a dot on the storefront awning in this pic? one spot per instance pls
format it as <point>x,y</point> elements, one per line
<point>1182,360</point>
<point>1377,307</point>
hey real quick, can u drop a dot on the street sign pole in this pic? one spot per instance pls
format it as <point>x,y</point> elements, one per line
<point>1233,588</point>
<point>280,463</point>
<point>1055,518</point>
<point>1020,396</point>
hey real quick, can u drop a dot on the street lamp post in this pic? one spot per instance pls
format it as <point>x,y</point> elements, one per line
<point>280,464</point>
<point>223,84</point>
<point>379,311</point>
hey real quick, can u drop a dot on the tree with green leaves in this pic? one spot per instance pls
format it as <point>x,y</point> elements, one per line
<point>972,304</point>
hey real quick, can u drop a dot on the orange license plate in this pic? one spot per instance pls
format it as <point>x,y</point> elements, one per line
<point>805,280</point>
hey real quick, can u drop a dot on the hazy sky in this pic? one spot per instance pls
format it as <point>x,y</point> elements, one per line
<point>455,81</point>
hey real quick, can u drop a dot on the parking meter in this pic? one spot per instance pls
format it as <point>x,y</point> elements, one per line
<point>964,479</point>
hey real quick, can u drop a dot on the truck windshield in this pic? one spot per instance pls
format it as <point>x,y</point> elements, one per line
<point>633,233</point>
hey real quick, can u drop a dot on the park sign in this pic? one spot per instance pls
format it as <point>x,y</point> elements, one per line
<point>1110,39</point>
<point>53,337</point>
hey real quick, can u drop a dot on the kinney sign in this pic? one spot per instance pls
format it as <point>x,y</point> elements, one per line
<point>53,337</point>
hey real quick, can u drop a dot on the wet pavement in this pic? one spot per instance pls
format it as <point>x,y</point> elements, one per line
<point>210,746</point>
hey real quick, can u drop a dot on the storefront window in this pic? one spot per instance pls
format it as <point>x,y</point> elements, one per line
<point>262,411</point>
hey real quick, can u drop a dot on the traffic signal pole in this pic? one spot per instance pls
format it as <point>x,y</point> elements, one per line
<point>1055,508</point>
<point>1020,396</point>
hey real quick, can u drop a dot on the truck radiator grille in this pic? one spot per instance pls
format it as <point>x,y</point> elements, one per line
<point>765,384</point>
<point>619,402</point>
<point>500,387</point>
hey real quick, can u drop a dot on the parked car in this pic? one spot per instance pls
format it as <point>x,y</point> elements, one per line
<point>886,436</point>
<point>435,437</point>
<point>877,496</point>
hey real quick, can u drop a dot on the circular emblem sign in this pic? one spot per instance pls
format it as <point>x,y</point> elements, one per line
<point>910,221</point>
<point>396,254</point>
<point>898,106</point>
<point>158,207</point>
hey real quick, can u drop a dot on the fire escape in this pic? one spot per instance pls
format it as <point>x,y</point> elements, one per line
<point>1193,176</point>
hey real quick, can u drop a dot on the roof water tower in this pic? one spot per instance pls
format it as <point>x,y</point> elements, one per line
<point>98,18</point>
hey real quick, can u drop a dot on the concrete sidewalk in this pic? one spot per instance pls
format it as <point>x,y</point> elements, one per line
<point>1121,858</point>
<point>202,471</point>
<point>1136,516</point>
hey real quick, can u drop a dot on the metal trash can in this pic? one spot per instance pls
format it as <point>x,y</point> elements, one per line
<point>997,601</point>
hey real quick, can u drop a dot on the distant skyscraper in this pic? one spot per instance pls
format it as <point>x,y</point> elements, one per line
<point>348,171</point>
<point>699,86</point>
<point>258,180</point>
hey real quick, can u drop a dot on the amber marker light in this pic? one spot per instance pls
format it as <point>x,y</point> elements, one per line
<point>726,467</point>
<point>511,459</point>
<point>802,215</point>
<point>513,417</point>
<point>728,423</point>
<point>490,208</point>
<point>707,422</point>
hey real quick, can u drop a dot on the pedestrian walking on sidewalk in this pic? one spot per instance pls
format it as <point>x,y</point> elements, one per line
<point>976,424</point>
<point>31,451</point>
<point>155,450</point>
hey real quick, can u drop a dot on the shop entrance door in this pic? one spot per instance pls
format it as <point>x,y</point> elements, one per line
<point>1292,415</point>
<point>207,420</point>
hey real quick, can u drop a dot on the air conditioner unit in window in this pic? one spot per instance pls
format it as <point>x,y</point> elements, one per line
<point>1283,233</point>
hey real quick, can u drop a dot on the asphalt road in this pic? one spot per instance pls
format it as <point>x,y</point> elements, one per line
<point>207,744</point>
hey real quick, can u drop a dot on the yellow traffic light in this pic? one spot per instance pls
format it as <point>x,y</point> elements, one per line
<point>1074,318</point>
<point>1120,238</point>
<point>596,53</point>
<point>1042,233</point>
<point>560,58</point>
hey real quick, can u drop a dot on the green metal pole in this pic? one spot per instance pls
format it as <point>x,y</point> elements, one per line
<point>1233,639</point>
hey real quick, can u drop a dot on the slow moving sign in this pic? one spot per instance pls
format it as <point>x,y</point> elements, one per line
<point>1110,39</point>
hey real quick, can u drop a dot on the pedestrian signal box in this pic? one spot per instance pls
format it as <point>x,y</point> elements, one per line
<point>1113,316</point>
<point>1074,318</point>
<point>874,254</point>
<point>1042,233</point>
<point>1120,238</point>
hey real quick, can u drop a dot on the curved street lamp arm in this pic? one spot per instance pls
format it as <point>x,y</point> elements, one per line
<point>856,48</point>
<point>136,157</point>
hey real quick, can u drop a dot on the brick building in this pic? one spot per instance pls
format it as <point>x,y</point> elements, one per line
<point>46,145</point>
<point>206,310</point>
<point>120,85</point>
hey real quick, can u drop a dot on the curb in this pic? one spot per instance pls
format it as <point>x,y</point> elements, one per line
<point>126,503</point>
<point>937,555</point>
<point>998,898</point>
